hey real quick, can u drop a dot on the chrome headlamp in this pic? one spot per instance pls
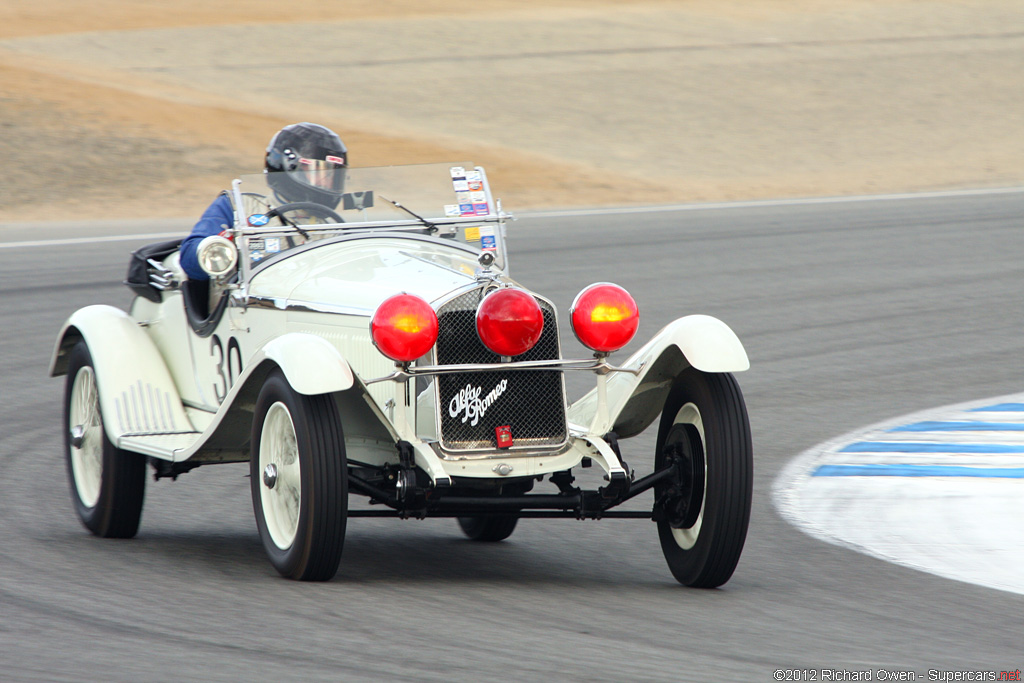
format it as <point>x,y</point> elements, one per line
<point>217,256</point>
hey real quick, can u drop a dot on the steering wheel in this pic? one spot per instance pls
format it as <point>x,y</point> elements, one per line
<point>325,214</point>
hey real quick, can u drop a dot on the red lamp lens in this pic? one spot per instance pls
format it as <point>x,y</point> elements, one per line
<point>604,317</point>
<point>404,327</point>
<point>509,322</point>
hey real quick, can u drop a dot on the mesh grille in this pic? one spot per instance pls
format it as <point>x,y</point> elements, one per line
<point>531,402</point>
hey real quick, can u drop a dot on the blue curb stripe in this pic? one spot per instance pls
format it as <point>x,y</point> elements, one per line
<point>878,470</point>
<point>1001,408</point>
<point>925,447</point>
<point>934,426</point>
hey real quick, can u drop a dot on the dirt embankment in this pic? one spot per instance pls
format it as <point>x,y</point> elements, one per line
<point>76,144</point>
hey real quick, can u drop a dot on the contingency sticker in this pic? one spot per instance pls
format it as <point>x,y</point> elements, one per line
<point>469,192</point>
<point>273,244</point>
<point>452,210</point>
<point>488,242</point>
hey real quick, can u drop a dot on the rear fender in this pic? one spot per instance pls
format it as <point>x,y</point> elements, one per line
<point>137,394</point>
<point>635,401</point>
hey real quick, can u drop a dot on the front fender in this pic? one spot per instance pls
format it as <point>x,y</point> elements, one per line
<point>310,363</point>
<point>635,401</point>
<point>312,366</point>
<point>137,394</point>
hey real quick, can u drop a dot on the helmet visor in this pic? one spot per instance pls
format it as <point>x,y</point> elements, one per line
<point>325,174</point>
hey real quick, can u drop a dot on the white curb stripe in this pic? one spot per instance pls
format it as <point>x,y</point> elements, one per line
<point>941,491</point>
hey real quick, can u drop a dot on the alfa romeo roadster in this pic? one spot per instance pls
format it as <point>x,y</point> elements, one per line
<point>379,348</point>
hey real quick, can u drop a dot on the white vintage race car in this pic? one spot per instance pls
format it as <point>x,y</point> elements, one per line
<point>380,348</point>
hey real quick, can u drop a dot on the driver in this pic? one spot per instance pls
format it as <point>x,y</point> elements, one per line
<point>300,163</point>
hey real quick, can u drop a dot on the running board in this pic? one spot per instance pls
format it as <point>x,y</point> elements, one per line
<point>162,446</point>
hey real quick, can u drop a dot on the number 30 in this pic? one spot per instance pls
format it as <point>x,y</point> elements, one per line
<point>228,366</point>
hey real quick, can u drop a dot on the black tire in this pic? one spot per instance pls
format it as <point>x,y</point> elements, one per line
<point>313,479</point>
<point>108,502</point>
<point>703,513</point>
<point>490,528</point>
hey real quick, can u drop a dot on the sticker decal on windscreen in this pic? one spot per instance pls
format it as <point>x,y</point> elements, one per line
<point>469,192</point>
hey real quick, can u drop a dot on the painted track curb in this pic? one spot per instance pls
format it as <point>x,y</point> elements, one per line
<point>940,490</point>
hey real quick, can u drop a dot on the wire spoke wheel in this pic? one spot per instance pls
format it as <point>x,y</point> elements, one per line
<point>281,476</point>
<point>108,484</point>
<point>685,499</point>
<point>703,508</point>
<point>86,449</point>
<point>299,480</point>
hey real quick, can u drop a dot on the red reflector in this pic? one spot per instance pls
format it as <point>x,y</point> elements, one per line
<point>503,435</point>
<point>509,322</point>
<point>604,317</point>
<point>404,327</point>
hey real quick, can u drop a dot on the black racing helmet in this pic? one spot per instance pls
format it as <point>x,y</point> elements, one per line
<point>306,162</point>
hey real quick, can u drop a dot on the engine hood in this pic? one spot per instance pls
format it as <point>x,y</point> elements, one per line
<point>360,273</point>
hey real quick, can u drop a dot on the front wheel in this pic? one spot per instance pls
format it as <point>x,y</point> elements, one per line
<point>107,484</point>
<point>703,510</point>
<point>299,480</point>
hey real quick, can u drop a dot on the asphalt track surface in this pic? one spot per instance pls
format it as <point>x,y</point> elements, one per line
<point>851,311</point>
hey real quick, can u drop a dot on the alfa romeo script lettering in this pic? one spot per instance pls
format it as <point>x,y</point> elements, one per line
<point>471,406</point>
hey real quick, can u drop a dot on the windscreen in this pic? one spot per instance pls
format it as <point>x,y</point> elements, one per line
<point>450,200</point>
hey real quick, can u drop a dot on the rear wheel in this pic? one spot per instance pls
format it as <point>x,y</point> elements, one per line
<point>488,528</point>
<point>299,480</point>
<point>108,484</point>
<point>703,511</point>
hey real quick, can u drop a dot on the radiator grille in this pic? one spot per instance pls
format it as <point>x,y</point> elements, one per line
<point>530,402</point>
